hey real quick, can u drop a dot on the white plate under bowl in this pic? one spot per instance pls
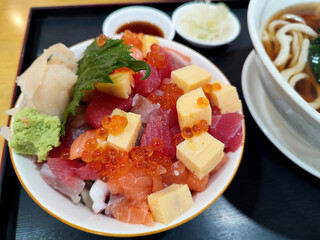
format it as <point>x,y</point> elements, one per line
<point>272,124</point>
<point>82,218</point>
<point>138,13</point>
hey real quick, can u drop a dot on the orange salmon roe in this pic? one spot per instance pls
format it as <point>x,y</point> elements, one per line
<point>102,133</point>
<point>157,144</point>
<point>207,88</point>
<point>203,102</point>
<point>177,139</point>
<point>216,86</point>
<point>65,153</point>
<point>91,144</point>
<point>186,132</point>
<point>134,39</point>
<point>101,39</point>
<point>156,56</point>
<point>169,98</point>
<point>105,121</point>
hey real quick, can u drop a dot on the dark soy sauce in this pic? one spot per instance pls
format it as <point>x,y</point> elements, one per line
<point>144,27</point>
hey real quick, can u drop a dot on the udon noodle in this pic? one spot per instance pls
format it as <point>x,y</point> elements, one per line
<point>286,39</point>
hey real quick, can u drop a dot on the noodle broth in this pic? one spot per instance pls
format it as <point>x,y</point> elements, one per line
<point>292,63</point>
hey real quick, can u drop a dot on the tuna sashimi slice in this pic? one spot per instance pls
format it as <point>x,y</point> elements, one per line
<point>149,85</point>
<point>65,142</point>
<point>64,170</point>
<point>157,128</point>
<point>227,128</point>
<point>51,179</point>
<point>86,173</point>
<point>102,104</point>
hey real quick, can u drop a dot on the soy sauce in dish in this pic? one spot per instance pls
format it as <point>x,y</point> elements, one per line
<point>144,27</point>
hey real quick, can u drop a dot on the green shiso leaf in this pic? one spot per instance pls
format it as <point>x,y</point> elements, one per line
<point>96,65</point>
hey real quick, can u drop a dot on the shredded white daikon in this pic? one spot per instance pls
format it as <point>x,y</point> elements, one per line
<point>207,22</point>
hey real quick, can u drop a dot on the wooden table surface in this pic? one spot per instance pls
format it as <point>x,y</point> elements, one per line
<point>13,21</point>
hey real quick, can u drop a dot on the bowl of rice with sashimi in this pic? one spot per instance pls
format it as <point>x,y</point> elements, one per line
<point>125,136</point>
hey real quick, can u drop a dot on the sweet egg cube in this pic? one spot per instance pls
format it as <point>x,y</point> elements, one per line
<point>147,42</point>
<point>190,77</point>
<point>190,112</point>
<point>126,139</point>
<point>200,154</point>
<point>121,86</point>
<point>225,97</point>
<point>170,202</point>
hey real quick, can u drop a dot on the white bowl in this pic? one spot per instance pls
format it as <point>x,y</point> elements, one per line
<point>83,218</point>
<point>298,113</point>
<point>138,13</point>
<point>186,7</point>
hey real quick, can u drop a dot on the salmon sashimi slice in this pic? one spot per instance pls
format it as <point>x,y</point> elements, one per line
<point>195,184</point>
<point>178,173</point>
<point>79,144</point>
<point>134,212</point>
<point>135,184</point>
<point>220,164</point>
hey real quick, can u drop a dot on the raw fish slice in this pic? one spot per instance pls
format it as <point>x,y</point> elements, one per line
<point>78,145</point>
<point>86,173</point>
<point>64,169</point>
<point>195,184</point>
<point>157,128</point>
<point>134,212</point>
<point>54,182</point>
<point>65,142</point>
<point>98,193</point>
<point>102,105</point>
<point>227,128</point>
<point>149,85</point>
<point>176,173</point>
<point>144,107</point>
<point>136,184</point>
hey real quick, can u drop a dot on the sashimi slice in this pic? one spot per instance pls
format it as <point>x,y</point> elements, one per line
<point>227,128</point>
<point>134,212</point>
<point>195,184</point>
<point>65,142</point>
<point>102,104</point>
<point>64,170</point>
<point>149,85</point>
<point>176,173</point>
<point>143,107</point>
<point>51,179</point>
<point>157,128</point>
<point>78,145</point>
<point>86,173</point>
<point>135,184</point>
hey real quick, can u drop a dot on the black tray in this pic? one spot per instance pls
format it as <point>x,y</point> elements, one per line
<point>269,198</point>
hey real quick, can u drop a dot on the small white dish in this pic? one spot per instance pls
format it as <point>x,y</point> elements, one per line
<point>138,14</point>
<point>272,124</point>
<point>81,217</point>
<point>234,25</point>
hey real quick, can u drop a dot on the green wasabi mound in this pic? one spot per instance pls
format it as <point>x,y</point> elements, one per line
<point>35,133</point>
